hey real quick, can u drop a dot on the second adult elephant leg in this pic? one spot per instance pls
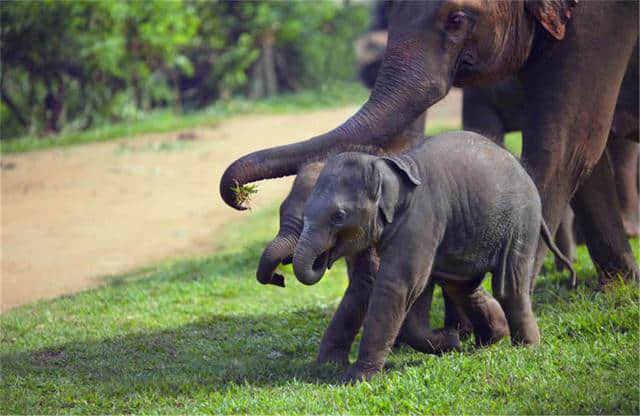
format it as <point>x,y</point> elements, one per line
<point>337,339</point>
<point>624,159</point>
<point>597,211</point>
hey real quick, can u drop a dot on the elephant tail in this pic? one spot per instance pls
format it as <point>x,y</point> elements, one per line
<point>546,236</point>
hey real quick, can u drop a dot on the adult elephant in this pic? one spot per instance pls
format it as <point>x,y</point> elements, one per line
<point>496,110</point>
<point>556,52</point>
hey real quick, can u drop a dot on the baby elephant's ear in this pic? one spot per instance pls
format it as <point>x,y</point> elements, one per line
<point>406,165</point>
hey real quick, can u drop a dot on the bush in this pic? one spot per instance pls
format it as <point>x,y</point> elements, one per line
<point>77,64</point>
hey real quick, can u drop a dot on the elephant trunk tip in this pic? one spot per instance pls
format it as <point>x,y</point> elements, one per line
<point>232,190</point>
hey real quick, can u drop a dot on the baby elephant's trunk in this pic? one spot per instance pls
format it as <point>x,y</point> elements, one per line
<point>309,261</point>
<point>546,236</point>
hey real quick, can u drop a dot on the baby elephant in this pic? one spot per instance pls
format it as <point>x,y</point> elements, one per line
<point>451,209</point>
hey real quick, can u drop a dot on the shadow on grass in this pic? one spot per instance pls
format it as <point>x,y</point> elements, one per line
<point>215,353</point>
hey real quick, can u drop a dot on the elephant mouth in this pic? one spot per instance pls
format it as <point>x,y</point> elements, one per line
<point>325,260</point>
<point>321,263</point>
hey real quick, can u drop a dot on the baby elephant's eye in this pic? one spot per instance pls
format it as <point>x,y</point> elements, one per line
<point>338,216</point>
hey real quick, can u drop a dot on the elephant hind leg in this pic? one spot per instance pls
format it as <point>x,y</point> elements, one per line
<point>455,318</point>
<point>598,213</point>
<point>416,330</point>
<point>625,155</point>
<point>486,315</point>
<point>511,285</point>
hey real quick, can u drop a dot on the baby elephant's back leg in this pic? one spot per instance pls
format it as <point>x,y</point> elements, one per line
<point>486,315</point>
<point>512,278</point>
<point>416,330</point>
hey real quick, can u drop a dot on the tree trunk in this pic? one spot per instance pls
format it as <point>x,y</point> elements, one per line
<point>263,81</point>
<point>256,83</point>
<point>14,109</point>
<point>269,65</point>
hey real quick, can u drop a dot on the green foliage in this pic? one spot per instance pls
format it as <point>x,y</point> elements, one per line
<point>72,65</point>
<point>201,336</point>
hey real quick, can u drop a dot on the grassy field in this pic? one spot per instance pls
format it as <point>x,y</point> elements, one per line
<point>202,336</point>
<point>328,96</point>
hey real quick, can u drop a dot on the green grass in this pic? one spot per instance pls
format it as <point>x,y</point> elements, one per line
<point>202,336</point>
<point>161,121</point>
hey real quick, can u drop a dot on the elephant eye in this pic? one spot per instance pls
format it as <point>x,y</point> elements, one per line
<point>455,21</point>
<point>338,216</point>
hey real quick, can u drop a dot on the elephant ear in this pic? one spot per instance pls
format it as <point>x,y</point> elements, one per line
<point>405,164</point>
<point>553,15</point>
<point>388,195</point>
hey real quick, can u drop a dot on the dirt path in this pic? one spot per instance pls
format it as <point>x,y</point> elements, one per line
<point>72,216</point>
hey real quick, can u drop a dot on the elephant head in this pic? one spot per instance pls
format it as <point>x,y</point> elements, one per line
<point>355,197</point>
<point>431,46</point>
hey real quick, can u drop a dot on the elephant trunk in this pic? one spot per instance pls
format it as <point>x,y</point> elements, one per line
<point>309,261</point>
<point>275,253</point>
<point>401,93</point>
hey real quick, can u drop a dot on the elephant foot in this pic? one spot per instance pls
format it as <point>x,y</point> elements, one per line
<point>627,272</point>
<point>631,224</point>
<point>338,357</point>
<point>491,323</point>
<point>493,335</point>
<point>459,323</point>
<point>527,334</point>
<point>357,373</point>
<point>430,341</point>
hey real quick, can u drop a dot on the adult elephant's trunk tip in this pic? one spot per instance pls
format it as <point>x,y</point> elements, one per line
<point>230,184</point>
<point>256,166</point>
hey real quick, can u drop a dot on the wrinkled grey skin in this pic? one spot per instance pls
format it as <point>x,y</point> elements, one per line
<point>451,209</point>
<point>361,270</point>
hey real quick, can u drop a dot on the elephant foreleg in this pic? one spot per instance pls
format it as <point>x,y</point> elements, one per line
<point>337,339</point>
<point>566,130</point>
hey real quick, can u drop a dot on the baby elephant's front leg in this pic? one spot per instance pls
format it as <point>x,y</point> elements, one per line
<point>390,301</point>
<point>337,339</point>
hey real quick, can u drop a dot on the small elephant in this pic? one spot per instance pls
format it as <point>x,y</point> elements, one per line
<point>361,269</point>
<point>451,209</point>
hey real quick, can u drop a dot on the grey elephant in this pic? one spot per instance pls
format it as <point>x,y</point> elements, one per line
<point>451,209</point>
<point>361,269</point>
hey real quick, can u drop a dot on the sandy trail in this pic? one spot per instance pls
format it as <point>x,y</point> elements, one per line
<point>72,216</point>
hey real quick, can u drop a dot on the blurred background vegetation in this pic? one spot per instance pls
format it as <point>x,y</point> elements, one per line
<point>75,65</point>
